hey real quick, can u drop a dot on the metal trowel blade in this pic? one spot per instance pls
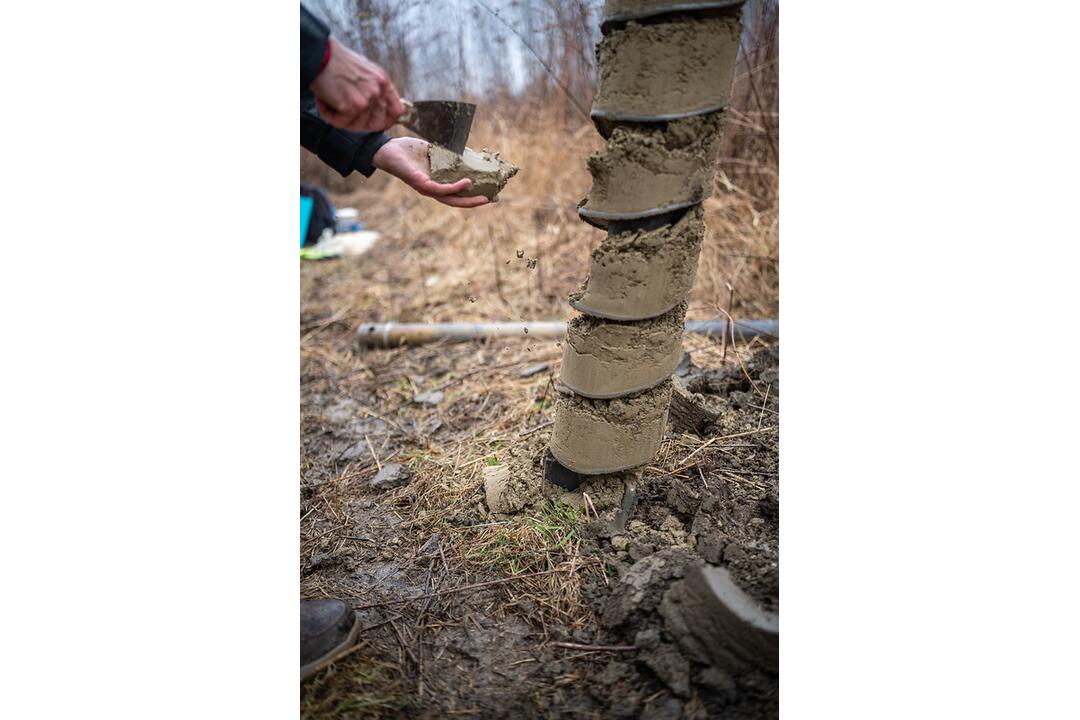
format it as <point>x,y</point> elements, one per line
<point>443,122</point>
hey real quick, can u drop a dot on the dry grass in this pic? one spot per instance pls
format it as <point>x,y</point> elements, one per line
<point>453,265</point>
<point>440,538</point>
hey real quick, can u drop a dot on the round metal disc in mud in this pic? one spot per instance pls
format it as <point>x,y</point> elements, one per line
<point>621,393</point>
<point>601,116</point>
<point>620,11</point>
<point>583,308</point>
<point>602,220</point>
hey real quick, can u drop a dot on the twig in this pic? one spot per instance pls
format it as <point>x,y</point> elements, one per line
<point>731,327</point>
<point>531,430</point>
<point>461,588</point>
<point>378,465</point>
<point>595,648</point>
<point>759,105</point>
<point>731,299</point>
<point>406,648</point>
<point>478,370</point>
<point>726,437</point>
<point>589,505</point>
<point>761,415</point>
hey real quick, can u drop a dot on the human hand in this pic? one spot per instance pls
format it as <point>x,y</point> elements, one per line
<point>406,158</point>
<point>354,93</point>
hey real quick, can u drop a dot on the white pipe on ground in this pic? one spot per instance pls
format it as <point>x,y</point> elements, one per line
<point>395,334</point>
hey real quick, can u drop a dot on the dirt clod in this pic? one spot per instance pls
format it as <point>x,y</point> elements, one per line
<point>391,476</point>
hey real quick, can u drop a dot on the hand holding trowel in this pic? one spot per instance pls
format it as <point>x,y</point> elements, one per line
<point>354,94</point>
<point>446,124</point>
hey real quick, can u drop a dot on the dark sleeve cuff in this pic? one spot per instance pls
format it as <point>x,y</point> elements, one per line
<point>363,161</point>
<point>342,150</point>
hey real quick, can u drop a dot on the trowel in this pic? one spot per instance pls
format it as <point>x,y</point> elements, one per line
<point>443,122</point>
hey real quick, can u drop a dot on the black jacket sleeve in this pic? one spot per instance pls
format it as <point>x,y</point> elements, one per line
<point>314,36</point>
<point>342,150</point>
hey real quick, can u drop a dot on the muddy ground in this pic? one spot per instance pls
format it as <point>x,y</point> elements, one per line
<point>467,615</point>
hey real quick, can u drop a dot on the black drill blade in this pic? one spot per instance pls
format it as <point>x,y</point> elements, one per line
<point>557,473</point>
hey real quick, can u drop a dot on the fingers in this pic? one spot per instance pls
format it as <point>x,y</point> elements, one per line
<point>381,117</point>
<point>378,103</point>
<point>394,105</point>
<point>463,202</point>
<point>356,94</point>
<point>374,119</point>
<point>438,189</point>
<point>446,193</point>
<point>331,114</point>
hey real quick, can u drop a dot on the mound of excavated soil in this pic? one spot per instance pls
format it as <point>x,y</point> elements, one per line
<point>726,516</point>
<point>517,483</point>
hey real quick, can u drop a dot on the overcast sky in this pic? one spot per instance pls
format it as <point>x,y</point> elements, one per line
<point>435,29</point>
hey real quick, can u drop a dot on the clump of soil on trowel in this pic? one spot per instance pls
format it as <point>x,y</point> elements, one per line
<point>489,173</point>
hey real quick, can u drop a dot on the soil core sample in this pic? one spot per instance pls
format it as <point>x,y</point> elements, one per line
<point>607,359</point>
<point>592,437</point>
<point>661,71</point>
<point>666,71</point>
<point>488,172</point>
<point>642,273</point>
<point>647,170</point>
